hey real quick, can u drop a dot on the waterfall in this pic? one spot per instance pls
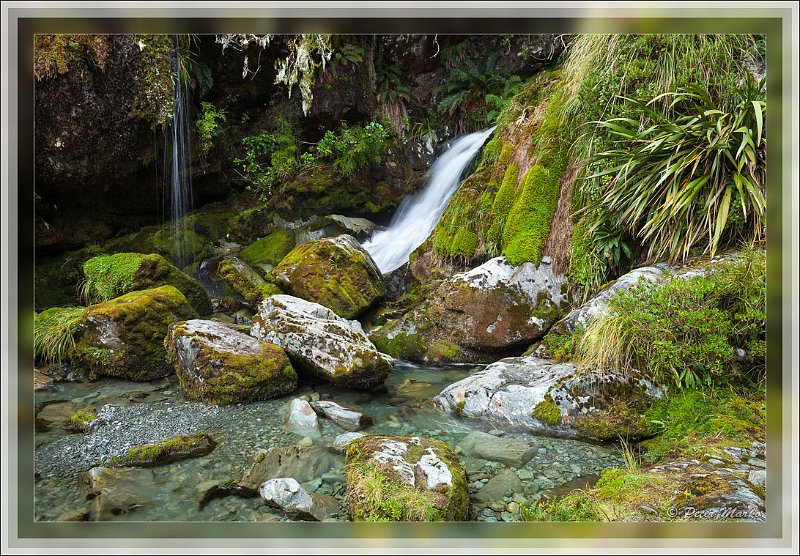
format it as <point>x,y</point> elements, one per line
<point>180,179</point>
<point>416,217</point>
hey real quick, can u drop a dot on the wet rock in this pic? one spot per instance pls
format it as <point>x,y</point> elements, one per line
<point>124,337</point>
<point>334,272</point>
<point>42,382</point>
<point>321,342</point>
<point>509,451</point>
<point>245,281</point>
<point>289,496</point>
<point>218,365</point>
<point>302,418</point>
<point>404,478</point>
<point>109,276</point>
<point>348,419</point>
<point>300,463</point>
<point>116,492</point>
<point>716,494</point>
<point>566,398</point>
<point>495,489</point>
<point>80,421</point>
<point>494,307</point>
<point>341,442</point>
<point>168,450</point>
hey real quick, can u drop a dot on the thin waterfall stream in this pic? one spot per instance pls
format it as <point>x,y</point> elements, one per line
<point>416,217</point>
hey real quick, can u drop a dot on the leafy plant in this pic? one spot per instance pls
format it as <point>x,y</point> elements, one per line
<point>353,147</point>
<point>207,124</point>
<point>269,157</point>
<point>673,180</point>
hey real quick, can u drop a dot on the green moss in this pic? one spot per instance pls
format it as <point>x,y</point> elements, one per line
<point>80,421</point>
<point>619,419</point>
<point>547,412</point>
<point>459,407</point>
<point>246,281</point>
<point>168,450</point>
<point>563,347</point>
<point>269,250</point>
<point>441,350</point>
<point>503,201</point>
<point>401,346</point>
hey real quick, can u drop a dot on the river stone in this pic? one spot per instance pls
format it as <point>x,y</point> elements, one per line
<point>302,419</point>
<point>244,280</point>
<point>289,496</point>
<point>341,442</point>
<point>495,489</point>
<point>120,273</point>
<point>758,477</point>
<point>321,342</point>
<point>168,450</point>
<point>494,307</point>
<point>509,451</point>
<point>300,463</point>
<point>576,399</point>
<point>221,366</point>
<point>346,418</point>
<point>334,272</point>
<point>124,337</point>
<point>115,492</point>
<point>404,478</point>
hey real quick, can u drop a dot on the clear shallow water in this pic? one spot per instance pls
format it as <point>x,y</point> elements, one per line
<point>145,412</point>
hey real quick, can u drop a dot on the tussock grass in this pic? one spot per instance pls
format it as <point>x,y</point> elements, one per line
<point>54,333</point>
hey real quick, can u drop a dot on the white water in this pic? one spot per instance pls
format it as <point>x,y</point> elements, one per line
<point>416,217</point>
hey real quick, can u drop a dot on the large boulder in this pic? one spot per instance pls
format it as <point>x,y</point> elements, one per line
<point>404,478</point>
<point>509,451</point>
<point>219,365</point>
<point>245,281</point>
<point>109,276</point>
<point>116,492</point>
<point>562,398</point>
<point>321,342</point>
<point>124,337</point>
<point>473,316</point>
<point>335,272</point>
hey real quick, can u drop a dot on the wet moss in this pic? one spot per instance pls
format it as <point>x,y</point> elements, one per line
<point>547,412</point>
<point>402,345</point>
<point>620,419</point>
<point>246,281</point>
<point>173,448</point>
<point>269,250</point>
<point>80,421</point>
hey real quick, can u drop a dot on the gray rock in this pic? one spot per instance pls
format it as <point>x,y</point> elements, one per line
<point>341,442</point>
<point>318,340</point>
<point>115,492</point>
<point>758,477</point>
<point>300,463</point>
<point>495,489</point>
<point>511,452</point>
<point>302,418</point>
<point>289,496</point>
<point>348,419</point>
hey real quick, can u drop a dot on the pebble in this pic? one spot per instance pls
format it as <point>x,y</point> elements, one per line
<point>518,498</point>
<point>507,516</point>
<point>524,474</point>
<point>306,441</point>
<point>512,507</point>
<point>497,506</point>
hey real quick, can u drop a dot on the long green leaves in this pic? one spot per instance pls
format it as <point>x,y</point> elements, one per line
<point>675,179</point>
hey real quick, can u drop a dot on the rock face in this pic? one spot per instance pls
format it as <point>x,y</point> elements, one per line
<point>109,276</point>
<point>300,463</point>
<point>509,451</point>
<point>289,496</point>
<point>335,272</point>
<point>537,394</point>
<point>488,310</point>
<point>124,337</point>
<point>319,341</point>
<point>302,418</point>
<point>174,448</point>
<point>245,281</point>
<point>218,365</point>
<point>116,491</point>
<point>404,478</point>
<point>346,418</point>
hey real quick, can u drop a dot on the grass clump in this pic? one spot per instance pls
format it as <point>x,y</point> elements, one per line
<point>383,499</point>
<point>54,333</point>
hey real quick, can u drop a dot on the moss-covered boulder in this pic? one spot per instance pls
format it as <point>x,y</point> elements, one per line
<point>404,478</point>
<point>244,280</point>
<point>474,316</point>
<point>335,272</point>
<point>109,276</point>
<point>167,450</point>
<point>268,251</point>
<point>219,365</point>
<point>80,421</point>
<point>124,337</point>
<point>320,342</point>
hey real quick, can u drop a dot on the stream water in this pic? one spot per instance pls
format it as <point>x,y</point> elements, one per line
<point>133,413</point>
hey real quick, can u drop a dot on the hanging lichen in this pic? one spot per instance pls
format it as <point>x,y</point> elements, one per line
<point>300,67</point>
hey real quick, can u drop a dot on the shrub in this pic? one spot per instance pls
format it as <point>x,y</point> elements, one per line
<point>269,157</point>
<point>207,124</point>
<point>353,147</point>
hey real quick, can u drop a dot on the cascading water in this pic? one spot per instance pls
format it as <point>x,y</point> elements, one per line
<point>416,217</point>
<point>180,179</point>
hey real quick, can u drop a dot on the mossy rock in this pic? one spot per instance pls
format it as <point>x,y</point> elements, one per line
<point>269,250</point>
<point>403,478</point>
<point>218,365</point>
<point>246,281</point>
<point>334,272</point>
<point>109,276</point>
<point>168,450</point>
<point>547,412</point>
<point>124,337</point>
<point>80,421</point>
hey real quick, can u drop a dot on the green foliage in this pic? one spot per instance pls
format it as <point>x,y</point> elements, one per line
<point>54,333</point>
<point>383,499</point>
<point>109,276</point>
<point>563,347</point>
<point>55,54</point>
<point>207,124</point>
<point>685,330</point>
<point>269,157</point>
<point>353,147</point>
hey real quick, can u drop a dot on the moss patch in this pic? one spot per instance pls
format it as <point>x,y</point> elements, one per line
<point>246,281</point>
<point>269,250</point>
<point>547,412</point>
<point>80,421</point>
<point>401,346</point>
<point>170,449</point>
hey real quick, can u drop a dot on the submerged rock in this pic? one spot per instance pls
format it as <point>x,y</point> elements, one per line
<point>302,418</point>
<point>174,448</point>
<point>404,478</point>
<point>495,488</point>
<point>335,272</point>
<point>116,492</point>
<point>219,365</point>
<point>490,309</point>
<point>509,451</point>
<point>346,418</point>
<point>321,342</point>
<point>537,394</point>
<point>245,281</point>
<point>124,337</point>
<point>298,462</point>
<point>109,276</point>
<point>289,496</point>
<point>341,442</point>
